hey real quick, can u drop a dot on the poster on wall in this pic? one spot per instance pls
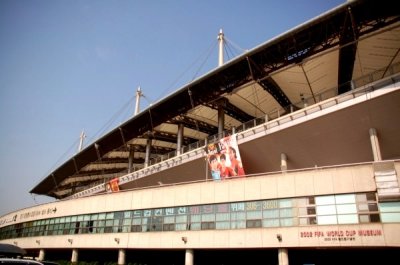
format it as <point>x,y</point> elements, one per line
<point>113,185</point>
<point>224,160</point>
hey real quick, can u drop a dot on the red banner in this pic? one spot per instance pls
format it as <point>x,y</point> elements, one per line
<point>113,185</point>
<point>224,159</point>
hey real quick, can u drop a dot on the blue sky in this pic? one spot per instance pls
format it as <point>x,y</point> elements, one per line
<point>73,65</point>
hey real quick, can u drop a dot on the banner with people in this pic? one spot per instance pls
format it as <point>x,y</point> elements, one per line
<point>113,185</point>
<point>224,159</point>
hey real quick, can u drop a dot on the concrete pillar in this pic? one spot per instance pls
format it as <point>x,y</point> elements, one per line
<point>130,158</point>
<point>221,121</point>
<point>179,139</point>
<point>283,162</point>
<point>376,150</point>
<point>283,256</point>
<point>74,257</point>
<point>121,257</point>
<point>148,149</point>
<point>41,255</point>
<point>189,257</point>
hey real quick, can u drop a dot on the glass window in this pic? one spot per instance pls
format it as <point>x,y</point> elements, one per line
<point>286,212</point>
<point>195,218</point>
<point>136,221</point>
<point>270,222</point>
<point>390,217</point>
<point>346,208</point>
<point>181,218</point>
<point>390,212</point>
<point>222,225</point>
<point>110,216</point>
<point>238,216</point>
<point>348,219</point>
<point>195,226</point>
<point>271,213</point>
<point>254,214</point>
<point>238,224</point>
<point>326,210</point>
<point>222,216</point>
<point>270,204</point>
<point>127,214</point>
<point>345,198</point>
<point>180,227</point>
<point>326,219</point>
<point>324,200</point>
<point>283,203</point>
<point>286,221</point>
<point>208,217</point>
<point>169,219</point>
<point>387,207</point>
<point>94,217</point>
<point>238,206</point>
<point>253,223</point>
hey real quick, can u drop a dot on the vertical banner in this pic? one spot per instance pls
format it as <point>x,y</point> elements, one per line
<point>224,159</point>
<point>113,185</point>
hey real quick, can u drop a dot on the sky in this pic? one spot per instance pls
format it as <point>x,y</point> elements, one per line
<point>68,66</point>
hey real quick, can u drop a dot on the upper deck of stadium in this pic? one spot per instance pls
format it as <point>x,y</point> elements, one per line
<point>320,59</point>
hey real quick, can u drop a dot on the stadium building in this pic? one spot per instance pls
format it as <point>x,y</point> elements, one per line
<point>286,154</point>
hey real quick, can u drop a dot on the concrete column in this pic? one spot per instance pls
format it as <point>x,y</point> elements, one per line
<point>41,255</point>
<point>283,256</point>
<point>283,162</point>
<point>121,257</point>
<point>130,158</point>
<point>376,150</point>
<point>148,148</point>
<point>221,120</point>
<point>179,139</point>
<point>189,257</point>
<point>74,257</point>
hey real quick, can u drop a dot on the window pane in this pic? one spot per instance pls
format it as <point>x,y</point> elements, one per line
<point>222,225</point>
<point>324,200</point>
<point>326,220</point>
<point>325,210</point>
<point>181,218</point>
<point>208,217</point>
<point>286,212</point>
<point>390,217</point>
<point>387,207</point>
<point>271,213</point>
<point>347,208</point>
<point>345,198</point>
<point>270,222</point>
<point>348,219</point>
<point>287,222</point>
<point>283,203</point>
<point>180,227</point>
<point>222,217</point>
<point>254,215</point>
<point>169,219</point>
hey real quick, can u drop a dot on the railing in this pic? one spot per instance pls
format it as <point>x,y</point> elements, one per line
<point>383,74</point>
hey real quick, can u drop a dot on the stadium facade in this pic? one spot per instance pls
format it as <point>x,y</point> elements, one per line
<point>287,154</point>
